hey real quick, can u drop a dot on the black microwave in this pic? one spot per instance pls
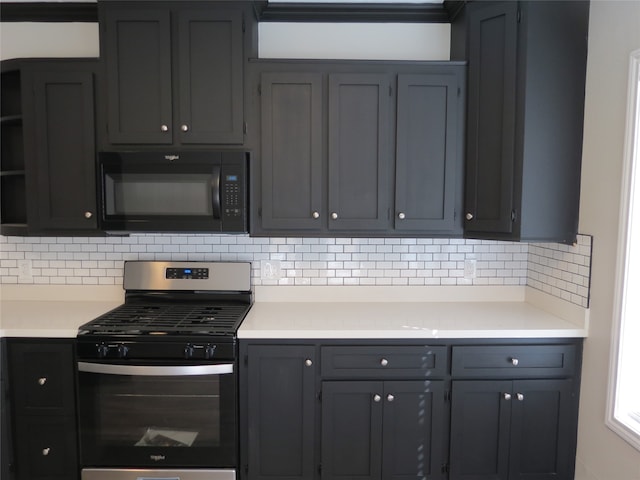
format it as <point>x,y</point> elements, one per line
<point>166,191</point>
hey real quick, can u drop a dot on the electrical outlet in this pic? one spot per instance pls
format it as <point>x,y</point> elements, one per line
<point>470,268</point>
<point>270,270</point>
<point>25,273</point>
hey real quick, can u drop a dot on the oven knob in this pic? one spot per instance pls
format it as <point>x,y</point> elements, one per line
<point>103,350</point>
<point>209,351</point>
<point>123,350</point>
<point>188,351</point>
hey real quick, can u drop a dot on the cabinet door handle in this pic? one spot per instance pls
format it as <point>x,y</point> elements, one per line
<point>308,362</point>
<point>506,396</point>
<point>390,398</point>
<point>164,128</point>
<point>515,362</point>
<point>42,381</point>
<point>334,216</point>
<point>46,451</point>
<point>520,396</point>
<point>402,216</point>
<point>469,216</point>
<point>88,215</point>
<point>315,214</point>
<point>184,128</point>
<point>377,398</point>
<point>384,362</point>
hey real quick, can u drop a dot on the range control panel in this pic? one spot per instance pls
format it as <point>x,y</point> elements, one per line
<point>187,273</point>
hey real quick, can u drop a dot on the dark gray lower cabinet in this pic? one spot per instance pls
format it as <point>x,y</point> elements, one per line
<point>383,430</point>
<point>281,412</point>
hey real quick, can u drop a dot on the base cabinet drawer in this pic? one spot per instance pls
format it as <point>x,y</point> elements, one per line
<point>513,361</point>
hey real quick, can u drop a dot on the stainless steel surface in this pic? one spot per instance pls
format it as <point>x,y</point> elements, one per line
<point>469,216</point>
<point>151,371</point>
<point>144,474</point>
<point>223,276</point>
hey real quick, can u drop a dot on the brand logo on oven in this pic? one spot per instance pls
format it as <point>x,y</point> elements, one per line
<point>171,158</point>
<point>157,458</point>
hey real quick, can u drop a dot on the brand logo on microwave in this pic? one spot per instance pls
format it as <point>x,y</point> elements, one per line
<point>157,458</point>
<point>171,158</point>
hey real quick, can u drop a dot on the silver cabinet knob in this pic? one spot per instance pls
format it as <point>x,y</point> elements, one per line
<point>42,381</point>
<point>469,216</point>
<point>506,396</point>
<point>520,396</point>
<point>390,398</point>
<point>384,362</point>
<point>184,128</point>
<point>88,215</point>
<point>308,362</point>
<point>46,451</point>
<point>334,215</point>
<point>401,216</point>
<point>164,128</point>
<point>377,398</point>
<point>515,362</point>
<point>315,214</point>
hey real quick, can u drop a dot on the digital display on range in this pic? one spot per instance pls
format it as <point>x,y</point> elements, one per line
<point>187,273</point>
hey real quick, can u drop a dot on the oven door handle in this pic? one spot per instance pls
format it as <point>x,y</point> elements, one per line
<point>155,371</point>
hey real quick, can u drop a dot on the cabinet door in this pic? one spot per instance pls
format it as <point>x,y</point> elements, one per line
<point>491,118</point>
<point>281,412</point>
<point>209,72</point>
<point>64,151</point>
<point>480,425</point>
<point>292,151</point>
<point>414,430</point>
<point>542,430</point>
<point>427,152</point>
<point>352,430</point>
<point>358,151</point>
<point>137,51</point>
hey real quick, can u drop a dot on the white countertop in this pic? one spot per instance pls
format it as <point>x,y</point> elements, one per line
<point>51,312</point>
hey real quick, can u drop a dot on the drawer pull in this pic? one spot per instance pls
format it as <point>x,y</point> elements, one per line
<point>42,381</point>
<point>390,398</point>
<point>384,362</point>
<point>520,396</point>
<point>377,398</point>
<point>45,451</point>
<point>308,362</point>
<point>506,396</point>
<point>515,362</point>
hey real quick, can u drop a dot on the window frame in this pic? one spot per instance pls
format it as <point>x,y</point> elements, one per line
<point>631,172</point>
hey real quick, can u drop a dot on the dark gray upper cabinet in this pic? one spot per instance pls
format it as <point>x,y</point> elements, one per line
<point>527,64</point>
<point>173,73</point>
<point>334,161</point>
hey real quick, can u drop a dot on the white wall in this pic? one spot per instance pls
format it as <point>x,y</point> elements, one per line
<point>614,32</point>
<point>28,39</point>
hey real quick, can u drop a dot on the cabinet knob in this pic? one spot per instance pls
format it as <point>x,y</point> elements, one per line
<point>334,215</point>
<point>469,216</point>
<point>184,128</point>
<point>402,216</point>
<point>384,362</point>
<point>515,362</point>
<point>308,362</point>
<point>377,398</point>
<point>315,214</point>
<point>42,381</point>
<point>164,128</point>
<point>390,398</point>
<point>520,396</point>
<point>45,451</point>
<point>88,215</point>
<point>506,396</point>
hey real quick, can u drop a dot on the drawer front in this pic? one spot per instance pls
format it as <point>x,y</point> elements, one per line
<point>383,361</point>
<point>42,378</point>
<point>513,361</point>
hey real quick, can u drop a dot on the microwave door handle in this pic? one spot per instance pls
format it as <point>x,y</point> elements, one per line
<point>216,194</point>
<point>155,371</point>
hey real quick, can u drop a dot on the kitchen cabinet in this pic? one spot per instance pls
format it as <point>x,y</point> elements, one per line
<point>281,396</point>
<point>173,73</point>
<point>42,401</point>
<point>526,84</point>
<point>510,418</point>
<point>48,148</point>
<point>334,159</point>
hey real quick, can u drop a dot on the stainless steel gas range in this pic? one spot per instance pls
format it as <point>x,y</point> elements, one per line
<point>157,376</point>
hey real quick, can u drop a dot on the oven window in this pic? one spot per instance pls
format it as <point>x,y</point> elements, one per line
<point>158,194</point>
<point>188,420</point>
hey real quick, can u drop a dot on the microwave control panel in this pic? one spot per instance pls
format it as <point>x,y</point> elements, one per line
<point>232,192</point>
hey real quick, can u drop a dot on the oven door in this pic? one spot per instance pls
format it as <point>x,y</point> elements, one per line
<point>158,415</point>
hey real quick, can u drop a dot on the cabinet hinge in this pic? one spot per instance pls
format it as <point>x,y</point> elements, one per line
<point>244,127</point>
<point>447,396</point>
<point>459,92</point>
<point>513,215</point>
<point>260,212</point>
<point>259,89</point>
<point>444,468</point>
<point>519,16</point>
<point>244,26</point>
<point>390,91</point>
